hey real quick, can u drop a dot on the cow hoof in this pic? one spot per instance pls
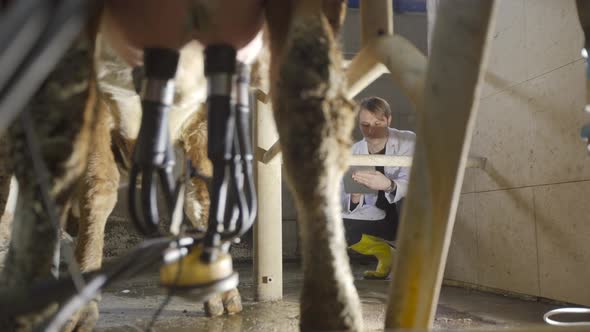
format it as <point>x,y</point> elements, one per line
<point>214,306</point>
<point>84,320</point>
<point>29,322</point>
<point>232,301</point>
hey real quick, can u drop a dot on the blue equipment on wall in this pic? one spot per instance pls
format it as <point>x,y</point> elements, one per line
<point>399,6</point>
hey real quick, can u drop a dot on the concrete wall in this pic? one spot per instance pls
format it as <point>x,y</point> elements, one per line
<point>522,224</point>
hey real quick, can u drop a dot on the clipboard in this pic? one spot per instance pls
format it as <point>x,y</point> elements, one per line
<point>353,187</point>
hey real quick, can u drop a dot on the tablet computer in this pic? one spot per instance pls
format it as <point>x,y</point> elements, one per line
<point>353,187</point>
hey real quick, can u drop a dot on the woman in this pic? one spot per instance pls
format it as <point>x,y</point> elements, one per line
<point>371,220</point>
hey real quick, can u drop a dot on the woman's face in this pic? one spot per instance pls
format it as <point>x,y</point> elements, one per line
<point>374,125</point>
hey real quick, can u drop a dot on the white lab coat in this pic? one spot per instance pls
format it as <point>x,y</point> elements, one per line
<point>399,143</point>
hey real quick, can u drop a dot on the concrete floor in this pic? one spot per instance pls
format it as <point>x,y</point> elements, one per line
<point>129,305</point>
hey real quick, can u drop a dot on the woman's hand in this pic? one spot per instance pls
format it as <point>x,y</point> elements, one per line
<point>372,179</point>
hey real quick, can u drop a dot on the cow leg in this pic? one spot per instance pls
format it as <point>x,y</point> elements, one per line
<point>6,219</point>
<point>314,122</point>
<point>5,175</point>
<point>62,114</point>
<point>194,142</point>
<point>98,196</point>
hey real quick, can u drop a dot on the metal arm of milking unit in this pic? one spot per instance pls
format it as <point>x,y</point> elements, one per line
<point>244,118</point>
<point>153,157</point>
<point>233,199</point>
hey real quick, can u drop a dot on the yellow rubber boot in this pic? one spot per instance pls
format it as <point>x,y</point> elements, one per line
<point>374,246</point>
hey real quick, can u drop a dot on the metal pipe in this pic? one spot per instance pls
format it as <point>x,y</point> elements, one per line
<point>455,71</point>
<point>393,54</point>
<point>406,63</point>
<point>403,161</point>
<point>363,70</point>
<point>261,96</point>
<point>268,245</point>
<point>376,19</point>
<point>272,152</point>
<point>383,51</point>
<point>266,156</point>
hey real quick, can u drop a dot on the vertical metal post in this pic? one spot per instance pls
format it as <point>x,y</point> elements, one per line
<point>268,242</point>
<point>451,96</point>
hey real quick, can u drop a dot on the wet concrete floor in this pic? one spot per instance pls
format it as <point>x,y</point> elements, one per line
<point>129,306</point>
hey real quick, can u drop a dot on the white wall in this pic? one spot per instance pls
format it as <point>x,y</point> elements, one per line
<point>523,223</point>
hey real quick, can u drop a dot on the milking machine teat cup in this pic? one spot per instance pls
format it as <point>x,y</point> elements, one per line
<point>197,263</point>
